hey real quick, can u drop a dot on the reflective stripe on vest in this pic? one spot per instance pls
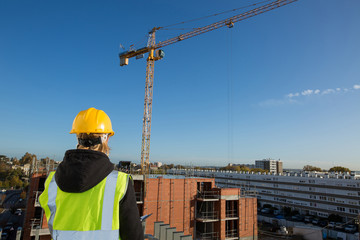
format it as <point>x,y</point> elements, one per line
<point>93,214</point>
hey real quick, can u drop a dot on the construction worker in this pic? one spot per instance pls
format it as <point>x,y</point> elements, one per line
<point>85,198</point>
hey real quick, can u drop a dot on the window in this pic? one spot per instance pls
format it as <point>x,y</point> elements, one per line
<point>353,210</point>
<point>312,196</point>
<point>322,198</point>
<point>331,199</point>
<point>341,209</point>
<point>323,214</point>
<point>353,202</point>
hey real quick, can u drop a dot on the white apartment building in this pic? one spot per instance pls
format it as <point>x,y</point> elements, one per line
<point>317,194</point>
<point>273,166</point>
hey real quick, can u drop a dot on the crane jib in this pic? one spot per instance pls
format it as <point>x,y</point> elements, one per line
<point>229,22</point>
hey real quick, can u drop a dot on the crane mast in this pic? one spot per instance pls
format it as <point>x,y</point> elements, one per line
<point>155,55</point>
<point>145,143</point>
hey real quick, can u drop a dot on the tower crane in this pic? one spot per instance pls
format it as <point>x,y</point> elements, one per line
<point>155,53</point>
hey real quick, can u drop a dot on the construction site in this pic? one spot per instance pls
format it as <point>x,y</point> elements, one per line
<point>174,207</point>
<point>193,206</point>
<point>186,206</point>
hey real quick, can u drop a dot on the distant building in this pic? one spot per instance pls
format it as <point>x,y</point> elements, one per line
<point>158,164</point>
<point>318,194</point>
<point>279,167</point>
<point>124,166</point>
<point>249,165</point>
<point>25,168</point>
<point>273,166</point>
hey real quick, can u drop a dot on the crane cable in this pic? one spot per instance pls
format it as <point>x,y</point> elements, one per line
<point>230,98</point>
<point>212,15</point>
<point>197,19</point>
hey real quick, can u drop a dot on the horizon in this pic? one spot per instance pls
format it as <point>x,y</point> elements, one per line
<point>202,166</point>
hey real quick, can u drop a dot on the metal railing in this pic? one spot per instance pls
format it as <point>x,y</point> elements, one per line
<point>231,213</point>
<point>208,194</point>
<point>37,195</point>
<point>39,232</point>
<point>208,215</point>
<point>35,223</point>
<point>207,236</point>
<point>231,233</point>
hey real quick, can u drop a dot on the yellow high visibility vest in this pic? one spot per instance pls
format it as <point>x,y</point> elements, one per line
<point>93,214</point>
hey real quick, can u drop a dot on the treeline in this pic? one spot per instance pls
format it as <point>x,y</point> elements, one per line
<point>12,178</point>
<point>12,174</point>
<point>243,168</point>
<point>333,169</point>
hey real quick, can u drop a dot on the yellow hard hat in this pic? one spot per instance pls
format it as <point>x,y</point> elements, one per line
<point>92,121</point>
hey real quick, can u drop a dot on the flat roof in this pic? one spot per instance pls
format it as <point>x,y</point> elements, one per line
<point>171,176</point>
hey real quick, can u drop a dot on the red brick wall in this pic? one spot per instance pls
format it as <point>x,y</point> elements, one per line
<point>173,202</point>
<point>248,217</point>
<point>30,209</point>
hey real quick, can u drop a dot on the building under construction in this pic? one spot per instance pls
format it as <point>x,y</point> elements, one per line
<point>192,205</point>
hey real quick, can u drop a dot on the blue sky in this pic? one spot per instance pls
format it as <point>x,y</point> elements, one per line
<point>282,85</point>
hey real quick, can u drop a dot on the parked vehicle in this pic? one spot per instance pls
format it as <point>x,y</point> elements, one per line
<point>283,230</point>
<point>4,236</point>
<point>323,223</point>
<point>339,226</point>
<point>298,218</point>
<point>316,221</point>
<point>266,210</point>
<point>18,212</point>
<point>350,228</point>
<point>277,212</point>
<point>308,219</point>
<point>331,224</point>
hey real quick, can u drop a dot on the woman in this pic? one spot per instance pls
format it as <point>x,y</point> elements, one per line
<point>85,198</point>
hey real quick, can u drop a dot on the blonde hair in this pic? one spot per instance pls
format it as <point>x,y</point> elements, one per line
<point>102,147</point>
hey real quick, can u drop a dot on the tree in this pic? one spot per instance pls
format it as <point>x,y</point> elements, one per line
<point>23,195</point>
<point>4,167</point>
<point>235,168</point>
<point>339,169</point>
<point>287,211</point>
<point>4,158</point>
<point>15,161</point>
<point>27,158</point>
<point>335,218</point>
<point>16,182</point>
<point>179,167</point>
<point>311,168</point>
<point>165,166</point>
<point>47,160</point>
<point>259,170</point>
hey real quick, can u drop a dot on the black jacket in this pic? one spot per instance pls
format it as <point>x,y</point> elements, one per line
<point>83,169</point>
